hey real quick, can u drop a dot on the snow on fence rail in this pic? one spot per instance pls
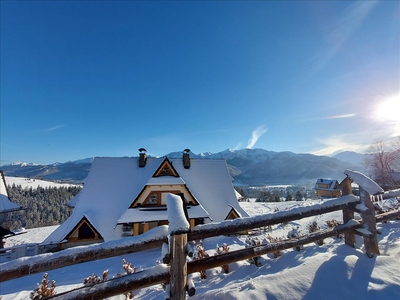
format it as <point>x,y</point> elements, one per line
<point>155,237</point>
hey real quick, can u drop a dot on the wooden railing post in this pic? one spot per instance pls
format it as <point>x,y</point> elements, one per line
<point>178,269</point>
<point>349,237</point>
<point>177,229</point>
<point>369,221</point>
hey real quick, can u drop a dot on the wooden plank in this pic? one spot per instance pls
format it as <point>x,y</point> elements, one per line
<point>238,225</point>
<point>117,286</point>
<point>178,269</point>
<point>223,228</point>
<point>370,244</point>
<point>390,215</point>
<point>349,237</point>
<point>59,261</point>
<point>160,273</point>
<point>247,253</point>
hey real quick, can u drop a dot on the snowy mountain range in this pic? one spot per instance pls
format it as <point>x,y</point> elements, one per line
<point>246,166</point>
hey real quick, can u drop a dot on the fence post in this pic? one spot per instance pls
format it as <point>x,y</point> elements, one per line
<point>178,228</point>
<point>369,222</point>
<point>349,237</point>
<point>178,269</point>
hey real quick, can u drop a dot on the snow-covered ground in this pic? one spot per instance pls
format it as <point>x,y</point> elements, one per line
<point>331,271</point>
<point>34,183</point>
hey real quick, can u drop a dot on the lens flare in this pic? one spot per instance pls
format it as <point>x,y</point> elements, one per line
<point>389,109</point>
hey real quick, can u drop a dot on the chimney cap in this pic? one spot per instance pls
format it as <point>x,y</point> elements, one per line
<point>142,150</point>
<point>186,150</point>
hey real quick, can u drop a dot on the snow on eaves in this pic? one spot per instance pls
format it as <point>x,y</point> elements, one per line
<point>364,182</point>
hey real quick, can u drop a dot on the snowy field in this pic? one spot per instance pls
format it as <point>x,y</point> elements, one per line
<point>331,271</point>
<point>34,183</point>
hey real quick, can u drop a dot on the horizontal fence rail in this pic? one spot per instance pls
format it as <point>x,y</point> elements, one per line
<point>157,274</point>
<point>238,255</point>
<point>158,235</point>
<point>118,285</point>
<point>49,261</point>
<point>243,224</point>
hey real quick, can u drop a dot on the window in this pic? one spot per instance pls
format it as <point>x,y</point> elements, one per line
<point>153,199</point>
<point>85,232</point>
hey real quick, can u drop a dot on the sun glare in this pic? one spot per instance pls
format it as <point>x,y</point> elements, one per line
<point>389,109</point>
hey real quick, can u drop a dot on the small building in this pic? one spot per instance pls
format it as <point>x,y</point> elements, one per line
<point>6,206</point>
<point>327,188</point>
<point>126,196</point>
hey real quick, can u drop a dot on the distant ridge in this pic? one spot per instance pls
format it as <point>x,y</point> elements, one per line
<point>246,166</point>
<point>351,157</point>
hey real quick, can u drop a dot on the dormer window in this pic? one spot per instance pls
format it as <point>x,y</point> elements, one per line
<point>153,199</point>
<point>166,169</point>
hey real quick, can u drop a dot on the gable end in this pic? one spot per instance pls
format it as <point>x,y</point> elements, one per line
<point>166,169</point>
<point>82,231</point>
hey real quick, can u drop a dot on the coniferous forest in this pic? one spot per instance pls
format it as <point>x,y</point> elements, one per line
<point>41,206</point>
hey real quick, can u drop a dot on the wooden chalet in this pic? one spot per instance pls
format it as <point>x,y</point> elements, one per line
<point>327,188</point>
<point>127,196</point>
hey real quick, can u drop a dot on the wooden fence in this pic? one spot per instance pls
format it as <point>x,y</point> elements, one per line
<point>162,273</point>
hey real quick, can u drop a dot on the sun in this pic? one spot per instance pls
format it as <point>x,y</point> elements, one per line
<point>389,109</point>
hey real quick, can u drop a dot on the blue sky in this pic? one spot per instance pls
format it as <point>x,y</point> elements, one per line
<point>86,78</point>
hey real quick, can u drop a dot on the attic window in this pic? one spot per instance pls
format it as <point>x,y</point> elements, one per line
<point>85,232</point>
<point>166,169</point>
<point>153,199</point>
<point>232,215</point>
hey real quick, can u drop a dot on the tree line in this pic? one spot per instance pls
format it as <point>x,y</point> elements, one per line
<point>41,206</point>
<point>276,194</point>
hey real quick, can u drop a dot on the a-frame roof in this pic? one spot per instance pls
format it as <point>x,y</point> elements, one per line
<point>113,183</point>
<point>166,169</point>
<point>85,220</point>
<point>5,203</point>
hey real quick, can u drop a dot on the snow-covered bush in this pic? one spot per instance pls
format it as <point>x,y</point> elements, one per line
<point>295,233</point>
<point>200,253</point>
<point>333,223</point>
<point>252,242</point>
<point>313,227</point>
<point>45,289</point>
<point>221,250</point>
<point>271,239</point>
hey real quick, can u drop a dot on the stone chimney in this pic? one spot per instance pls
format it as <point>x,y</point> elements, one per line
<point>186,159</point>
<point>142,157</point>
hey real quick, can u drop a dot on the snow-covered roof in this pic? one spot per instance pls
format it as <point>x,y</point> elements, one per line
<point>114,183</point>
<point>5,204</point>
<point>364,182</point>
<point>331,183</point>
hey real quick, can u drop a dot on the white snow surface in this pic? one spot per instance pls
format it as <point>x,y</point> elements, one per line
<point>34,183</point>
<point>364,181</point>
<point>331,271</point>
<point>176,216</point>
<point>5,203</point>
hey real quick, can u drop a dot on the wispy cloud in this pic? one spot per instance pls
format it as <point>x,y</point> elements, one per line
<point>256,134</point>
<point>357,141</point>
<point>341,116</point>
<point>238,146</point>
<point>54,128</point>
<point>347,23</point>
<point>344,116</point>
